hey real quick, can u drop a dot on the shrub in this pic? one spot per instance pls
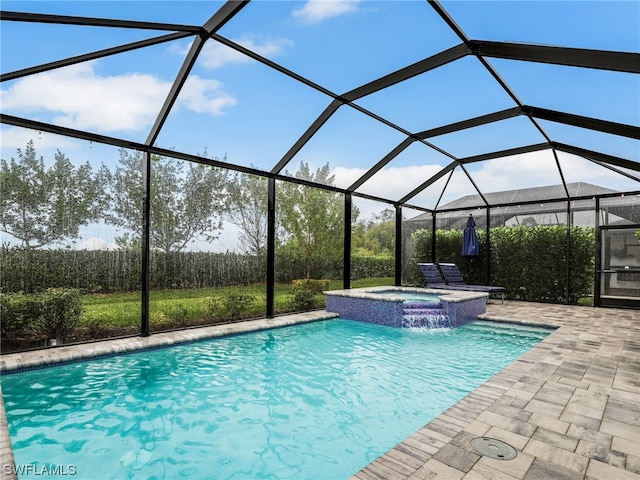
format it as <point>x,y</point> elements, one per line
<point>158,318</point>
<point>307,294</point>
<point>213,307</point>
<point>372,266</point>
<point>94,326</point>
<point>52,314</point>
<point>61,310</point>
<point>177,313</point>
<point>234,304</point>
<point>304,300</point>
<point>310,285</point>
<point>16,316</point>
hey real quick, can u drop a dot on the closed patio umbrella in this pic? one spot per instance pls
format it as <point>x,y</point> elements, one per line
<point>470,244</point>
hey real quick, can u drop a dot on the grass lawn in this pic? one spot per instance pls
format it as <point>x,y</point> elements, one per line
<point>186,306</point>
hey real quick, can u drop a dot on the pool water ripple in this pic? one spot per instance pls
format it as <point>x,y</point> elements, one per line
<point>315,401</point>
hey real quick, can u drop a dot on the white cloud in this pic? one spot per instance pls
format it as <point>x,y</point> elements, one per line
<point>529,170</point>
<point>79,98</point>
<point>315,11</point>
<point>391,182</point>
<point>517,171</point>
<point>215,55</point>
<point>82,99</point>
<point>346,176</point>
<point>540,169</point>
<point>205,96</point>
<point>96,243</point>
<point>12,138</point>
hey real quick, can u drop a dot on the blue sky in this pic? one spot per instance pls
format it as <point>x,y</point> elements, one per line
<point>235,107</point>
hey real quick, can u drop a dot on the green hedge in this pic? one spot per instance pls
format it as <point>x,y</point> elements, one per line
<point>369,267</point>
<point>120,270</point>
<point>531,262</point>
<point>105,271</point>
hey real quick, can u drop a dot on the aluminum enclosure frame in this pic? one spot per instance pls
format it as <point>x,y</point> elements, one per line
<point>482,50</point>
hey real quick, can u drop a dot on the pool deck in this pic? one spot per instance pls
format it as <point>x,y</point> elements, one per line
<point>570,406</point>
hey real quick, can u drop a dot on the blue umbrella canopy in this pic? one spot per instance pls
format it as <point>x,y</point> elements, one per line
<point>470,244</point>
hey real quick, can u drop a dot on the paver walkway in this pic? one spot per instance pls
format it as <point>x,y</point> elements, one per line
<point>570,406</point>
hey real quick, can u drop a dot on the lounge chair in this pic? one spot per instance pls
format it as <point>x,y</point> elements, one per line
<point>433,279</point>
<point>432,276</point>
<point>453,278</point>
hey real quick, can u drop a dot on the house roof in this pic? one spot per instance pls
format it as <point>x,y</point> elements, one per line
<point>534,202</point>
<point>528,195</point>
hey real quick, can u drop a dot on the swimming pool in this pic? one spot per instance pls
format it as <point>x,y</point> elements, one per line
<point>319,400</point>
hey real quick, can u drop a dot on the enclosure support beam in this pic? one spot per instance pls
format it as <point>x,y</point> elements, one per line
<point>488,243</point>
<point>222,16</point>
<point>596,124</point>
<point>96,22</point>
<point>271,247</point>
<point>398,247</point>
<point>91,56</point>
<point>506,153</point>
<point>572,57</point>
<point>346,277</point>
<point>430,181</point>
<point>306,136</point>
<point>433,237</point>
<point>568,279</point>
<point>598,257</point>
<point>597,156</point>
<point>470,123</point>
<point>378,166</point>
<point>146,247</point>
<point>418,68</point>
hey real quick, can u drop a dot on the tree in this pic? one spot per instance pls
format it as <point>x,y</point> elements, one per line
<point>376,236</point>
<point>183,205</point>
<point>247,209</point>
<point>40,205</point>
<point>313,218</point>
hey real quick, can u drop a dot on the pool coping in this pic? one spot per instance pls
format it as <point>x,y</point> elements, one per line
<point>452,296</point>
<point>564,405</point>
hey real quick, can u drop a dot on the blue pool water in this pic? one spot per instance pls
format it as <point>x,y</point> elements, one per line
<point>408,296</point>
<point>314,401</point>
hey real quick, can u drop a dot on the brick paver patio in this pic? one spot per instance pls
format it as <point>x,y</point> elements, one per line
<point>570,407</point>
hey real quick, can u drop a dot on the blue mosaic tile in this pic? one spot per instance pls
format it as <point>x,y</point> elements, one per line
<point>356,306</point>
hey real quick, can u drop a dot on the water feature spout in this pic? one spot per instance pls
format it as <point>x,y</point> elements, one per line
<point>421,315</point>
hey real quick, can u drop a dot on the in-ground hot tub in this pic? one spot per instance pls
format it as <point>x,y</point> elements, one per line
<point>406,306</point>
